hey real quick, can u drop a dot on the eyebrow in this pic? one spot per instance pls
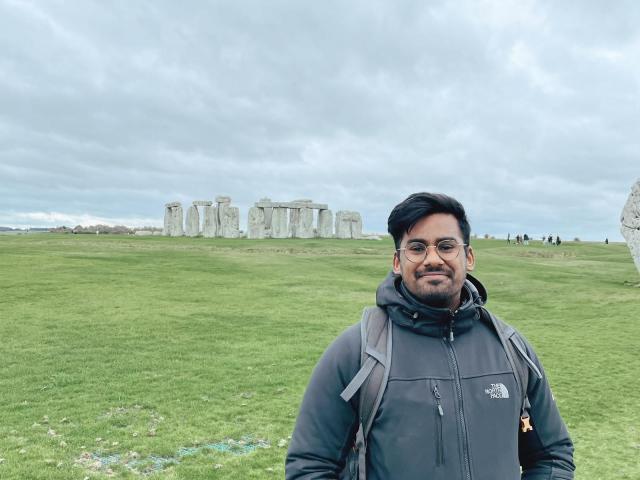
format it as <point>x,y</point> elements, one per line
<point>422,240</point>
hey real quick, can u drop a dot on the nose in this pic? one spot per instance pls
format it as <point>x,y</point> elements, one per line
<point>432,257</point>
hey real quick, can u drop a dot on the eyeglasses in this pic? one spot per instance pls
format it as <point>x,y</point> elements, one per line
<point>416,252</point>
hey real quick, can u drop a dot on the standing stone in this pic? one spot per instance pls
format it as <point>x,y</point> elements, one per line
<point>305,223</point>
<point>268,213</point>
<point>223,202</point>
<point>166,229</point>
<point>177,222</point>
<point>210,222</point>
<point>325,224</point>
<point>301,219</point>
<point>192,226</point>
<point>229,221</point>
<point>343,224</point>
<point>173,220</point>
<point>256,223</point>
<point>279,223</point>
<point>356,225</point>
<point>348,224</point>
<point>294,222</point>
<point>630,223</point>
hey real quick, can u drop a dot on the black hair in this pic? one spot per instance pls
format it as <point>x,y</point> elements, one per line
<point>416,206</point>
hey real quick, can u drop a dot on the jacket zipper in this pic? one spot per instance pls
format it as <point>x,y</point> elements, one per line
<point>463,424</point>
<point>451,322</point>
<point>439,415</point>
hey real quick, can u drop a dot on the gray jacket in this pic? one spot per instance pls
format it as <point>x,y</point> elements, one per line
<point>450,411</point>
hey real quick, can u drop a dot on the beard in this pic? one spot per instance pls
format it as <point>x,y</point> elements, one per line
<point>435,293</point>
<point>431,296</point>
<point>435,299</point>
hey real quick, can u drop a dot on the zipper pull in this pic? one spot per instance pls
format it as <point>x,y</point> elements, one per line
<point>439,443</point>
<point>436,393</point>
<point>453,319</point>
<point>451,328</point>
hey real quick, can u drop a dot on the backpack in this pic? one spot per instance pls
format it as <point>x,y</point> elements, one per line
<point>375,364</point>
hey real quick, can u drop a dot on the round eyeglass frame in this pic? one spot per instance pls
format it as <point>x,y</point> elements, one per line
<point>447,256</point>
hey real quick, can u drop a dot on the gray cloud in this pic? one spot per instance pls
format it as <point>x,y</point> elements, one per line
<point>526,111</point>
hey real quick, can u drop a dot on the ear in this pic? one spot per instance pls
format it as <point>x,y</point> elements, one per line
<point>396,263</point>
<point>471,259</point>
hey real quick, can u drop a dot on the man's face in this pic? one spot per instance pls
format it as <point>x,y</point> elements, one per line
<point>435,281</point>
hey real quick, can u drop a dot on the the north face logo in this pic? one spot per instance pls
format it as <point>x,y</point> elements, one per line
<point>497,390</point>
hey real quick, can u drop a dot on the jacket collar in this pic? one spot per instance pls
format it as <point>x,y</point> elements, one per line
<point>406,311</point>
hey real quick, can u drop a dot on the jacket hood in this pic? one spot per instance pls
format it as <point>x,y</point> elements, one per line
<point>406,311</point>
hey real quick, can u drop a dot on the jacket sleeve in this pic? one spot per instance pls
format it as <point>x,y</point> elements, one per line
<point>326,424</point>
<point>546,452</point>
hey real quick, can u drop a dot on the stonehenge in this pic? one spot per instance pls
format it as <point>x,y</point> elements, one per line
<point>266,219</point>
<point>630,223</point>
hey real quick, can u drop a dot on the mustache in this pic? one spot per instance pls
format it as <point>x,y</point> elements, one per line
<point>424,272</point>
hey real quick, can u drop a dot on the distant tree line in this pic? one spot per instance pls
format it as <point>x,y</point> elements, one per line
<point>101,229</point>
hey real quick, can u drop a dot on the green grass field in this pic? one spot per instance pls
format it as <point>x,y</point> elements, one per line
<point>187,358</point>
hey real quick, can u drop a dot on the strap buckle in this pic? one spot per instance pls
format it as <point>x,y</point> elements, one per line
<point>525,424</point>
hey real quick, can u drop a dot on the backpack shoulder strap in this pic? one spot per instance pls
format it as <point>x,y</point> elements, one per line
<point>520,362</point>
<point>375,362</point>
<point>371,380</point>
<point>378,345</point>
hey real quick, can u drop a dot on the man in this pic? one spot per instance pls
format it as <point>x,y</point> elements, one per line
<point>450,408</point>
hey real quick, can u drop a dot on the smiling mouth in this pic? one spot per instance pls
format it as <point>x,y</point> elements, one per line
<point>431,274</point>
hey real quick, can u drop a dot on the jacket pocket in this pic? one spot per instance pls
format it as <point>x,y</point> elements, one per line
<point>439,413</point>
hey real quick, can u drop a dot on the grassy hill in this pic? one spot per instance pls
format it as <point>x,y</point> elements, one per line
<point>187,358</point>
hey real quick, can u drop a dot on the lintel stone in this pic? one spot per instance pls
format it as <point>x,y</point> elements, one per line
<point>296,204</point>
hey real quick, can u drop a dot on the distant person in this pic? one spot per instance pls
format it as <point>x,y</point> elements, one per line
<point>606,241</point>
<point>426,386</point>
<point>525,237</point>
<point>550,239</point>
<point>509,238</point>
<point>558,241</point>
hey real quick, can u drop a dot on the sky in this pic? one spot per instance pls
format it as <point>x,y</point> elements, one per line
<point>525,111</point>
